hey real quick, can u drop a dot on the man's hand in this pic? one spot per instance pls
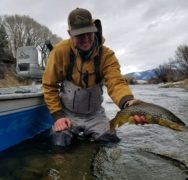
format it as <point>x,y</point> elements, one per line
<point>140,120</point>
<point>62,124</point>
<point>137,119</point>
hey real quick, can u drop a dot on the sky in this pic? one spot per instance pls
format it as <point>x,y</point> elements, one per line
<point>143,33</point>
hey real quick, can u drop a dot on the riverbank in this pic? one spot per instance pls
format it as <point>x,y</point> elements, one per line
<point>179,84</point>
<point>9,77</point>
<point>11,81</point>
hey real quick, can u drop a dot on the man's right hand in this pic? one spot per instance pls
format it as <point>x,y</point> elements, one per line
<point>137,119</point>
<point>62,124</point>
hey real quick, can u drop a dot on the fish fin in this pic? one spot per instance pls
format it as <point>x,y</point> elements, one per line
<point>131,120</point>
<point>115,123</point>
<point>150,119</point>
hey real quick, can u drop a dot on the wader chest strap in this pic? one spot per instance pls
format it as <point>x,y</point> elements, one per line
<point>97,67</point>
<point>96,64</point>
<point>70,66</point>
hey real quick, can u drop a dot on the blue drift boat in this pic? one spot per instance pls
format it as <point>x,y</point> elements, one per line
<point>23,112</point>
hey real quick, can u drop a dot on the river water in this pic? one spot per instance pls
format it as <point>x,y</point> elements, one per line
<point>149,152</point>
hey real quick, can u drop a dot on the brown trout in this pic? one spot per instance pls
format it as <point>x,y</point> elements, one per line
<point>153,113</point>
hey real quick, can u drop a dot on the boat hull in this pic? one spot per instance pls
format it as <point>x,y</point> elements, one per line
<point>19,126</point>
<point>22,116</point>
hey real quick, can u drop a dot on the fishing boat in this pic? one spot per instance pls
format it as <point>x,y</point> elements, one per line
<point>23,112</point>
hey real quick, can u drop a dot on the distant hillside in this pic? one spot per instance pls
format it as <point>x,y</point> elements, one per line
<point>143,75</point>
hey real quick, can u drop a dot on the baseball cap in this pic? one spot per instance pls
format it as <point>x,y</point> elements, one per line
<point>80,22</point>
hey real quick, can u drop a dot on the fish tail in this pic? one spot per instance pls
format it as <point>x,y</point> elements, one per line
<point>170,125</point>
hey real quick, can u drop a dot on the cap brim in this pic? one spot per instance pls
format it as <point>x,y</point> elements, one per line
<point>76,32</point>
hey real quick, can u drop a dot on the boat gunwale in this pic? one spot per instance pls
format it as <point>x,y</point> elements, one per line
<point>10,96</point>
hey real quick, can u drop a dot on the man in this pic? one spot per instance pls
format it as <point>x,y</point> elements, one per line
<point>73,78</point>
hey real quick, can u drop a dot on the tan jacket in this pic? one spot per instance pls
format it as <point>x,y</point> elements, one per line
<point>56,69</point>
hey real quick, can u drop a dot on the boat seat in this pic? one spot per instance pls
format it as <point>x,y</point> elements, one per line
<point>27,63</point>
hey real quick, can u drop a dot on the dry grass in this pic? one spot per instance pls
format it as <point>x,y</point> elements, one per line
<point>186,83</point>
<point>11,79</point>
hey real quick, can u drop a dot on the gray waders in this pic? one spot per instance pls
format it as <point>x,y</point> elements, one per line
<point>83,107</point>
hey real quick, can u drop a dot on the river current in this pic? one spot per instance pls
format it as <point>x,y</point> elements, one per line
<point>149,152</point>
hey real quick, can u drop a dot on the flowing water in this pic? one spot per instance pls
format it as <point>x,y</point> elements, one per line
<point>149,152</point>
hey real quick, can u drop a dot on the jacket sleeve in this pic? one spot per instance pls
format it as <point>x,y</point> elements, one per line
<point>51,78</point>
<point>116,84</point>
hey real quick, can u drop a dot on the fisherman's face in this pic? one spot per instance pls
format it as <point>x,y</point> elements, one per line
<point>84,41</point>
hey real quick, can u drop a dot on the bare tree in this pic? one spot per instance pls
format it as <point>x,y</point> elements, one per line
<point>164,72</point>
<point>25,31</point>
<point>181,56</point>
<point>5,52</point>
